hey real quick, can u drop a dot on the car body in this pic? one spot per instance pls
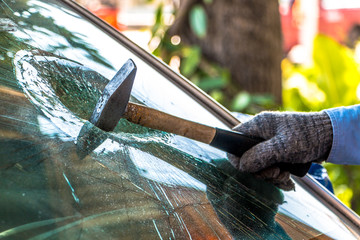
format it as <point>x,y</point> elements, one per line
<point>138,183</point>
<point>337,19</point>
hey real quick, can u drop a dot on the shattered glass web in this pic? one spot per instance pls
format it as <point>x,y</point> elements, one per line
<point>137,183</point>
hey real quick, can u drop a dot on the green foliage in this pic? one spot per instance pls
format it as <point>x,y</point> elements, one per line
<point>332,81</point>
<point>158,20</point>
<point>210,77</point>
<point>346,184</point>
<point>245,102</point>
<point>191,57</point>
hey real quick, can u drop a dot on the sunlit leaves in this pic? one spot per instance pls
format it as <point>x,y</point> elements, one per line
<point>345,180</point>
<point>191,60</point>
<point>331,81</point>
<point>158,19</point>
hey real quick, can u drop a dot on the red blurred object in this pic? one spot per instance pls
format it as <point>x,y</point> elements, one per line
<point>337,19</point>
<point>109,15</point>
<point>290,27</point>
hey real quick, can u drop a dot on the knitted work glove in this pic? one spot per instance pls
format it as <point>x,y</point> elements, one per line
<point>289,137</point>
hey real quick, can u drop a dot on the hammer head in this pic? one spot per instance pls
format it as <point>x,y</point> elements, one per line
<point>112,104</point>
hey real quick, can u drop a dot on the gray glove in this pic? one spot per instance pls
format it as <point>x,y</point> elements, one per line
<point>290,138</point>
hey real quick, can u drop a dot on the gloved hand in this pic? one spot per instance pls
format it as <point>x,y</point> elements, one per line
<point>290,138</point>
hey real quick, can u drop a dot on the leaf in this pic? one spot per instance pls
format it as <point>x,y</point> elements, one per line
<point>241,101</point>
<point>158,20</point>
<point>217,95</point>
<point>198,21</point>
<point>190,61</point>
<point>212,83</point>
<point>159,14</point>
<point>263,100</point>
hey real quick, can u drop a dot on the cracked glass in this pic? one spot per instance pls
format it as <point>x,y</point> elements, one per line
<point>133,182</point>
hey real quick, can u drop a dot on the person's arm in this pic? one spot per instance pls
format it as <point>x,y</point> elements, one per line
<point>332,135</point>
<point>346,135</point>
<point>290,137</point>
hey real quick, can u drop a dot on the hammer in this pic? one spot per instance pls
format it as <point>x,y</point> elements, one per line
<point>114,104</point>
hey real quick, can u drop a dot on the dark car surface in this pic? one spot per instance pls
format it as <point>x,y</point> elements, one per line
<point>55,60</point>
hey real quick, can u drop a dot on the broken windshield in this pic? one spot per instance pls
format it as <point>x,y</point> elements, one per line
<point>133,182</point>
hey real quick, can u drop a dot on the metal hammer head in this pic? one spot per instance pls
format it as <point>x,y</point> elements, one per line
<point>112,104</point>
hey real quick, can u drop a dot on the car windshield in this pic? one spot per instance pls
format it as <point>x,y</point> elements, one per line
<point>134,182</point>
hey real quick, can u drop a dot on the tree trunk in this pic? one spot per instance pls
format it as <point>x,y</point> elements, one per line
<point>243,36</point>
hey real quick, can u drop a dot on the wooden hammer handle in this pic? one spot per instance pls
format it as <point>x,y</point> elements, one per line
<point>226,140</point>
<point>155,119</point>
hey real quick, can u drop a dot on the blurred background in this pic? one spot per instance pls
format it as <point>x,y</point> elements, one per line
<point>255,55</point>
